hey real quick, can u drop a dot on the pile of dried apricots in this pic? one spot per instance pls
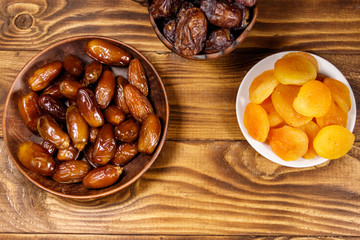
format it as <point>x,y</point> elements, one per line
<point>299,112</point>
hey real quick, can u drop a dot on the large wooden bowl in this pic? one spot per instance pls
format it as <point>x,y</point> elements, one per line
<point>203,56</point>
<point>16,132</point>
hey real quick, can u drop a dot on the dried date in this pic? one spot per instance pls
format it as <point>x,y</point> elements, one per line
<point>30,110</point>
<point>102,176</point>
<point>164,8</point>
<point>53,106</point>
<point>73,65</point>
<point>71,171</point>
<point>137,76</point>
<point>104,146</point>
<point>36,158</point>
<point>105,89</point>
<point>42,77</point>
<point>88,107</point>
<point>52,132</point>
<point>219,40</point>
<point>191,32</point>
<point>221,13</point>
<point>107,53</point>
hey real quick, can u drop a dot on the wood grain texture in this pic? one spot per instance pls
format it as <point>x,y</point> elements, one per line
<point>208,183</point>
<point>157,237</point>
<point>207,188</point>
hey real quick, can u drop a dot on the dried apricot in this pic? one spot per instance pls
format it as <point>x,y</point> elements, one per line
<point>313,99</point>
<point>288,143</point>
<point>274,117</point>
<point>333,142</point>
<point>283,98</point>
<point>262,86</point>
<point>311,129</point>
<point>305,55</point>
<point>256,122</point>
<point>340,93</point>
<point>335,116</point>
<point>294,70</point>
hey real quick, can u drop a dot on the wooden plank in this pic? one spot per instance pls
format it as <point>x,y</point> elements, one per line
<point>302,25</point>
<point>156,237</point>
<point>202,96</point>
<point>207,188</point>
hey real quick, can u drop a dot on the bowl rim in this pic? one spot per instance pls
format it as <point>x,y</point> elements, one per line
<point>242,99</point>
<point>205,56</point>
<point>138,175</point>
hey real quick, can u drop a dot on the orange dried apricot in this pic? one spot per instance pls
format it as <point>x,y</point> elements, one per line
<point>274,117</point>
<point>340,93</point>
<point>256,122</point>
<point>283,98</point>
<point>311,129</point>
<point>288,143</point>
<point>295,70</point>
<point>313,99</point>
<point>335,116</point>
<point>262,86</point>
<point>306,55</point>
<point>333,142</point>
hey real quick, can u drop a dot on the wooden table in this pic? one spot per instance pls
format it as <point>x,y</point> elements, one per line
<point>208,182</point>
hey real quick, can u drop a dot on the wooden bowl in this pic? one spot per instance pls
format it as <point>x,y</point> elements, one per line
<point>203,56</point>
<point>15,131</point>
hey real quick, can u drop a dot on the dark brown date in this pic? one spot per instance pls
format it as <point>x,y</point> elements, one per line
<point>69,88</point>
<point>53,106</point>
<point>170,30</point>
<point>107,53</point>
<point>102,177</point>
<point>149,134</point>
<point>119,97</point>
<point>164,8</point>
<point>71,171</point>
<point>42,77</point>
<point>125,152</point>
<point>137,76</point>
<point>77,127</point>
<point>104,146</point>
<point>36,158</point>
<point>73,65</point>
<point>93,134</point>
<point>67,154</point>
<point>52,132</point>
<point>105,89</point>
<point>92,72</point>
<point>139,106</point>
<point>127,131</point>
<point>191,32</point>
<point>219,40</point>
<point>221,13</point>
<point>88,107</point>
<point>114,115</point>
<point>30,110</point>
<point>53,90</point>
<point>48,146</point>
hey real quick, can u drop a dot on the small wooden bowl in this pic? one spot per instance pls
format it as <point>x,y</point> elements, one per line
<point>15,131</point>
<point>237,41</point>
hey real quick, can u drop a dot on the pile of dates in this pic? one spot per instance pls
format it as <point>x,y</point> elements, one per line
<point>197,26</point>
<point>92,123</point>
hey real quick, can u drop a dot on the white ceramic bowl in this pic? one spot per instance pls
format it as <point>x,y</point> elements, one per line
<point>242,100</point>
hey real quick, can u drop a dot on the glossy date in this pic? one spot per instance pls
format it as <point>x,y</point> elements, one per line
<point>36,158</point>
<point>30,110</point>
<point>102,177</point>
<point>88,107</point>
